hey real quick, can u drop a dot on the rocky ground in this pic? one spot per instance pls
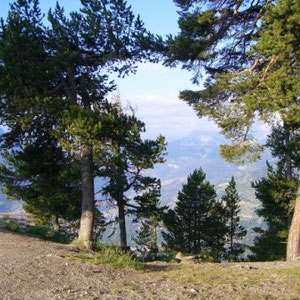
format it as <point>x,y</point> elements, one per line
<point>35,269</point>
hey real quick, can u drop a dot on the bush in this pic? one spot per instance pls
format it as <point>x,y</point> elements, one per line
<point>111,256</point>
<point>204,257</point>
<point>11,225</point>
<point>47,233</point>
<point>160,256</point>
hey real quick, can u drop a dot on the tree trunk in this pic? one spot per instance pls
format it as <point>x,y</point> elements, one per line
<point>288,164</point>
<point>288,155</point>
<point>88,202</point>
<point>294,231</point>
<point>54,222</point>
<point>122,225</point>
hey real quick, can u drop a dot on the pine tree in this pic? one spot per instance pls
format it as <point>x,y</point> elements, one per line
<point>122,161</point>
<point>196,224</point>
<point>146,239</point>
<point>150,219</point>
<point>215,35</point>
<point>277,195</point>
<point>46,178</point>
<point>235,232</point>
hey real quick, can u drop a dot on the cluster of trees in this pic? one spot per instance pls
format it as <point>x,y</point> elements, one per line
<point>199,224</point>
<point>250,53</point>
<point>62,131</point>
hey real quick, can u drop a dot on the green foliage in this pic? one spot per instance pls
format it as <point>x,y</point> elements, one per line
<point>235,232</point>
<point>47,233</point>
<point>196,224</point>
<point>45,178</point>
<point>9,224</point>
<point>111,256</point>
<point>62,93</point>
<point>146,239</point>
<point>259,82</point>
<point>122,160</point>
<point>204,257</point>
<point>277,195</point>
<point>251,52</point>
<point>214,35</point>
<point>241,153</point>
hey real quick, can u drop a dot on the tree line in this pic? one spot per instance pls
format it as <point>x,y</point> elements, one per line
<point>62,132</point>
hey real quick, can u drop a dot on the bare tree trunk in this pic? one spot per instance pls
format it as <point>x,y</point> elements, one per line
<point>288,156</point>
<point>54,222</point>
<point>88,203</point>
<point>288,163</point>
<point>122,225</point>
<point>294,231</point>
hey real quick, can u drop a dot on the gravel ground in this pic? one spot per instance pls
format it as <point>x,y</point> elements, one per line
<point>34,269</point>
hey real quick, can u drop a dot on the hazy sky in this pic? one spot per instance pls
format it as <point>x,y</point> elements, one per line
<point>154,89</point>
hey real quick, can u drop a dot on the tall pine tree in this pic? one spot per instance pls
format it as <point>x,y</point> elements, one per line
<point>122,161</point>
<point>196,224</point>
<point>235,232</point>
<point>277,196</point>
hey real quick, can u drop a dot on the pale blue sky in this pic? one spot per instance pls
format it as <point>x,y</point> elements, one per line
<point>154,89</point>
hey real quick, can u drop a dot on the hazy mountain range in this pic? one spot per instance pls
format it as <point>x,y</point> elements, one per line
<point>199,149</point>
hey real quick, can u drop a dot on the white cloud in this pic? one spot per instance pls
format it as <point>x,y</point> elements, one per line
<point>169,182</point>
<point>168,116</point>
<point>173,166</point>
<point>206,139</point>
<point>243,168</point>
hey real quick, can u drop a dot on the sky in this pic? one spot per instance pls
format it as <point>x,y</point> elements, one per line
<point>154,89</point>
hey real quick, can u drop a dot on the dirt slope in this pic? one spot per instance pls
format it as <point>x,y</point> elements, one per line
<point>35,269</point>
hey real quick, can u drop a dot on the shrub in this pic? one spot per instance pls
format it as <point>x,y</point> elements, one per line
<point>11,225</point>
<point>112,256</point>
<point>47,233</point>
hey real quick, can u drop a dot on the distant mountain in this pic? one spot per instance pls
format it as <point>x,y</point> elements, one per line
<point>9,206</point>
<point>5,205</point>
<point>201,149</point>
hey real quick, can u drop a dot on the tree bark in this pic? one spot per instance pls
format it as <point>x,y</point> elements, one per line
<point>288,165</point>
<point>88,203</point>
<point>54,222</point>
<point>294,231</point>
<point>288,157</point>
<point>122,225</point>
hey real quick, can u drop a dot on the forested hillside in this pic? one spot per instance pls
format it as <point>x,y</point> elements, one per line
<point>82,163</point>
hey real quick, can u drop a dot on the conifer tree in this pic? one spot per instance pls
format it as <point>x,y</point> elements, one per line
<point>122,161</point>
<point>235,232</point>
<point>196,224</point>
<point>276,195</point>
<point>150,219</point>
<point>46,178</point>
<point>146,239</point>
<point>215,35</point>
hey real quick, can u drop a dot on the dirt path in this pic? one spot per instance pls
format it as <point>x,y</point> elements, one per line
<point>35,269</point>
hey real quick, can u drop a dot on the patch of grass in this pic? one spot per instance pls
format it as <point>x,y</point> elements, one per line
<point>111,256</point>
<point>259,283</point>
<point>47,233</point>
